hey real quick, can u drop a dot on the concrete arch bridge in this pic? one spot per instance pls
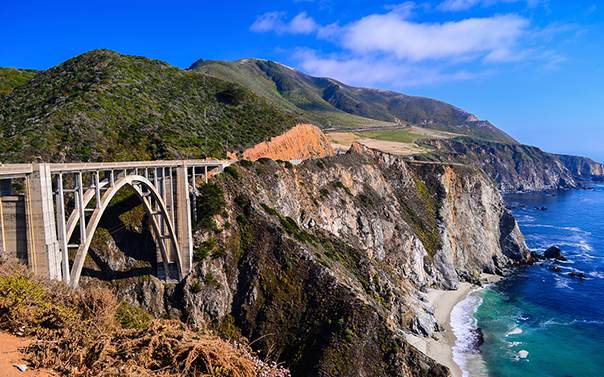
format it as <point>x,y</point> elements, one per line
<point>58,208</point>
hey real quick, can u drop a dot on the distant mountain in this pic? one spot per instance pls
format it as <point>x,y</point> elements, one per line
<point>582,167</point>
<point>106,106</point>
<point>332,104</point>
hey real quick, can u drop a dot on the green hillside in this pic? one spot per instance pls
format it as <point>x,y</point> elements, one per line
<point>10,78</point>
<point>333,104</point>
<point>106,106</point>
<point>286,88</point>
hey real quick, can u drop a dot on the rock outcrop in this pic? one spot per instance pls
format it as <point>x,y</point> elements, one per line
<point>513,167</point>
<point>323,264</point>
<point>299,143</point>
<point>554,252</point>
<point>582,167</point>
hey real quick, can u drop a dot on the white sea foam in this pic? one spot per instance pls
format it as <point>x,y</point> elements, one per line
<point>514,331</point>
<point>521,317</point>
<point>596,274</point>
<point>553,322</point>
<point>523,354</point>
<point>525,219</point>
<point>562,282</point>
<point>573,229</point>
<point>464,325</point>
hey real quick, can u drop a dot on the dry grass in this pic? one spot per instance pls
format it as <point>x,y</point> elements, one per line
<point>89,333</point>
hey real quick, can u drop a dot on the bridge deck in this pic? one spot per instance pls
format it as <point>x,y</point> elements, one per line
<point>19,170</point>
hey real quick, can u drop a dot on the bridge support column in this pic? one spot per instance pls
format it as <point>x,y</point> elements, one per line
<point>184,231</point>
<point>43,249</point>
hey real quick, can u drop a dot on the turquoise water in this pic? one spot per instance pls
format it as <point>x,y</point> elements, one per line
<point>543,323</point>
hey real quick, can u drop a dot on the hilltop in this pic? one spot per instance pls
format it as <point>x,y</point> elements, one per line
<point>335,105</point>
<point>107,106</point>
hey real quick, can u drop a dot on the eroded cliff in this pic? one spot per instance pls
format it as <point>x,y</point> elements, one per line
<point>582,167</point>
<point>299,143</point>
<point>513,167</point>
<point>323,264</point>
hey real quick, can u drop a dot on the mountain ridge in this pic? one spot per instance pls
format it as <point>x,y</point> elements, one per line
<point>316,95</point>
<point>103,105</point>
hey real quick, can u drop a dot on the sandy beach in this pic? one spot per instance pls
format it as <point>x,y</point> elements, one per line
<point>443,302</point>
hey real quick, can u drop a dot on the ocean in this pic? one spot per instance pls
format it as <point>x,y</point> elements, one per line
<point>538,322</point>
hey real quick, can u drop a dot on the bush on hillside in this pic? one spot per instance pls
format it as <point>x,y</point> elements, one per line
<point>88,333</point>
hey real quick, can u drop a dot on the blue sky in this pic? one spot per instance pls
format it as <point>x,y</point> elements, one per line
<point>535,68</point>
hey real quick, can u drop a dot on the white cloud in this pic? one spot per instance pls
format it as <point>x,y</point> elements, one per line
<point>275,21</point>
<point>375,71</point>
<point>459,5</point>
<point>392,34</point>
<point>394,49</point>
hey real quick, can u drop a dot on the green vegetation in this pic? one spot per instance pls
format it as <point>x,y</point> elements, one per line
<point>340,185</point>
<point>195,287</point>
<point>132,317</point>
<point>88,333</point>
<point>289,225</point>
<point>210,203</point>
<point>105,106</point>
<point>232,171</point>
<point>204,250</point>
<point>11,78</point>
<point>133,218</point>
<point>211,280</point>
<point>333,249</point>
<point>284,88</point>
<point>332,104</point>
<point>422,214</point>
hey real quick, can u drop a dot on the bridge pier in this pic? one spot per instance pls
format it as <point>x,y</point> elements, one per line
<point>183,218</point>
<point>43,247</point>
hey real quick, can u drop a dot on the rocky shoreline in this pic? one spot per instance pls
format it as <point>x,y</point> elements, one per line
<point>440,346</point>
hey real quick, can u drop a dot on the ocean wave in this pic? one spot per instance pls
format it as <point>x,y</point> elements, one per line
<point>572,229</point>
<point>553,322</point>
<point>514,331</point>
<point>596,274</point>
<point>514,344</point>
<point>521,317</point>
<point>522,354</point>
<point>525,219</point>
<point>562,282</point>
<point>465,328</point>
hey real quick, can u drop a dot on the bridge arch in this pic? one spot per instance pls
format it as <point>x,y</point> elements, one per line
<point>154,206</point>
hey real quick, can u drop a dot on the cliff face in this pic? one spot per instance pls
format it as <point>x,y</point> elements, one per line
<point>512,167</point>
<point>582,167</point>
<point>324,263</point>
<point>299,143</point>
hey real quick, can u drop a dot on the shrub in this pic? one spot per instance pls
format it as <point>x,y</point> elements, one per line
<point>231,95</point>
<point>205,249</point>
<point>195,287</point>
<point>232,171</point>
<point>132,317</point>
<point>246,163</point>
<point>210,203</point>
<point>87,333</point>
<point>211,280</point>
<point>133,219</point>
